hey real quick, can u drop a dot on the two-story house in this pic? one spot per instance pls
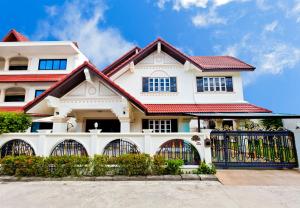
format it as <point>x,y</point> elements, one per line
<point>155,100</point>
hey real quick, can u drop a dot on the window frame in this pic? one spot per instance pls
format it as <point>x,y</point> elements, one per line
<point>217,84</point>
<point>159,84</point>
<point>44,62</point>
<point>160,125</point>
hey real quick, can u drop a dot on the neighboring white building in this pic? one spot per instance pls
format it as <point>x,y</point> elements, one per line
<point>27,68</point>
<point>156,100</point>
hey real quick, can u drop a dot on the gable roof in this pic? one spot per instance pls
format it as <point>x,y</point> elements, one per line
<point>205,63</point>
<point>120,60</point>
<point>14,36</point>
<point>73,79</point>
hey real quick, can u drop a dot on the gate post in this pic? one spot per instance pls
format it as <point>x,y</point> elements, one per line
<point>297,144</point>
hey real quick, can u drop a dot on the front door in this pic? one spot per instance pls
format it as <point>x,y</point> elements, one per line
<point>107,125</point>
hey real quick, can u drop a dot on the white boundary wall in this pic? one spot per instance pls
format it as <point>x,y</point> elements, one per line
<point>94,143</point>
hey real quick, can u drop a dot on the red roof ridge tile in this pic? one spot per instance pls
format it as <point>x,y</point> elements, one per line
<point>14,36</point>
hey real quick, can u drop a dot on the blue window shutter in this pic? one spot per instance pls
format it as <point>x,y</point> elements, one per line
<point>145,84</point>
<point>199,84</point>
<point>173,84</point>
<point>35,126</point>
<point>174,125</point>
<point>229,84</point>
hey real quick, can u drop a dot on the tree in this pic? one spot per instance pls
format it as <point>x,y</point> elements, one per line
<point>269,123</point>
<point>14,122</point>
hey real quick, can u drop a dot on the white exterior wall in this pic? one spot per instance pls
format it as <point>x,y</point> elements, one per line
<point>35,51</point>
<point>94,143</point>
<point>29,91</point>
<point>162,65</point>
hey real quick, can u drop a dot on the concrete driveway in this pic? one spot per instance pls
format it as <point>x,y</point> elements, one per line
<point>139,194</point>
<point>260,177</point>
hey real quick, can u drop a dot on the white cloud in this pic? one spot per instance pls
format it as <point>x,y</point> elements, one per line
<point>51,10</point>
<point>221,2</point>
<point>185,4</point>
<point>206,19</point>
<point>271,27</point>
<point>80,21</point>
<point>268,55</point>
<point>161,3</point>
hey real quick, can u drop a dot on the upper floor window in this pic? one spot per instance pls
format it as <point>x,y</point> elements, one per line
<point>159,84</point>
<point>53,64</point>
<point>14,94</point>
<point>214,84</point>
<point>161,126</point>
<point>18,63</point>
<point>38,92</point>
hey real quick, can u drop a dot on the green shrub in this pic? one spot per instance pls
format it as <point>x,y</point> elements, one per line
<point>133,164</point>
<point>206,169</point>
<point>158,165</point>
<point>173,167</point>
<point>22,166</point>
<point>101,165</point>
<point>14,122</point>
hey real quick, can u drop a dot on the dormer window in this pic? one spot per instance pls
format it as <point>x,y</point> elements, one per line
<point>214,84</point>
<point>159,84</point>
<point>53,64</point>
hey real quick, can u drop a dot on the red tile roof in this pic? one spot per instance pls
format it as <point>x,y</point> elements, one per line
<point>221,62</point>
<point>11,109</point>
<point>205,63</point>
<point>14,36</point>
<point>205,108</point>
<point>32,78</point>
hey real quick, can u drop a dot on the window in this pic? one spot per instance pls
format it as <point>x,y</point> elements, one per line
<point>53,64</point>
<point>38,92</point>
<point>214,84</point>
<point>18,63</point>
<point>35,126</point>
<point>14,94</point>
<point>159,84</point>
<point>161,126</point>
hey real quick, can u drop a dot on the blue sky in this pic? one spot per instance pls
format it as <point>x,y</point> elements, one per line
<point>264,33</point>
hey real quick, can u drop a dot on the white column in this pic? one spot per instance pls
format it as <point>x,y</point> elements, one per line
<point>147,141</point>
<point>125,124</point>
<point>2,92</point>
<point>297,143</point>
<point>6,65</point>
<point>60,125</point>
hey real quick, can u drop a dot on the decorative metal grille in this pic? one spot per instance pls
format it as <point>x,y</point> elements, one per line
<point>69,147</point>
<point>16,147</point>
<point>119,147</point>
<point>274,149</point>
<point>180,149</point>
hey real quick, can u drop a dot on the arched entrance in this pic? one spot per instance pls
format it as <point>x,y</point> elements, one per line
<point>180,149</point>
<point>69,147</point>
<point>119,147</point>
<point>16,147</point>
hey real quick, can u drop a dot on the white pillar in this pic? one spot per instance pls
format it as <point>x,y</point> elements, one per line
<point>60,125</point>
<point>297,143</point>
<point>125,124</point>
<point>6,65</point>
<point>147,141</point>
<point>2,94</point>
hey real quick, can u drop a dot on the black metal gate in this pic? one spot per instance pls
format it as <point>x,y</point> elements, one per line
<point>253,149</point>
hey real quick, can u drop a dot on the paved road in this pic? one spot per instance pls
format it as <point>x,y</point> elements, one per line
<point>156,194</point>
<point>260,177</point>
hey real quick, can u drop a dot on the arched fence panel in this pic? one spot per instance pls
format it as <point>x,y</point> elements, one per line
<point>69,147</point>
<point>16,147</point>
<point>119,147</point>
<point>180,149</point>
